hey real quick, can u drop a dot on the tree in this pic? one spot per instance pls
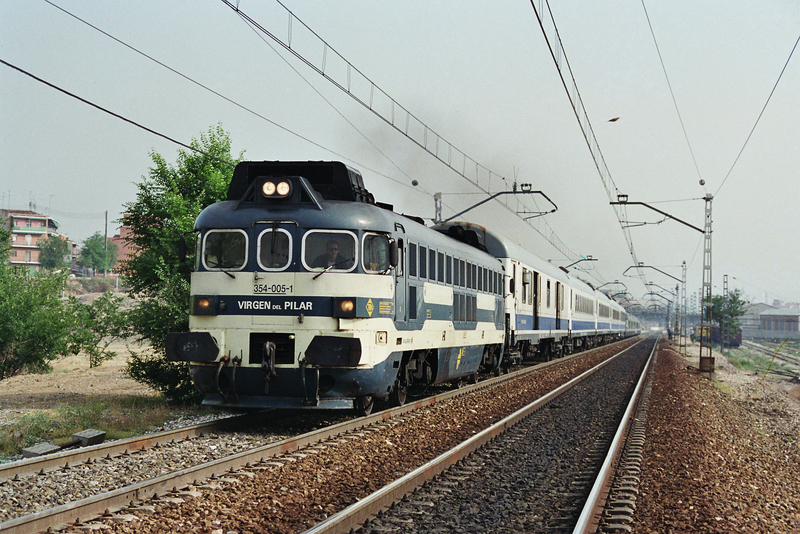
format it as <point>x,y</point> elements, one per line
<point>34,326</point>
<point>726,311</point>
<point>97,325</point>
<point>98,253</point>
<point>54,253</point>
<point>168,201</point>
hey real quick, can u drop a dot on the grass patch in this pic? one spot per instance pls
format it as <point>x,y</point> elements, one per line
<point>118,417</point>
<point>748,360</point>
<point>757,362</point>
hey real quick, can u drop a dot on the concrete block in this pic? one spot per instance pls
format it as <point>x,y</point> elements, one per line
<point>89,437</point>
<point>40,449</point>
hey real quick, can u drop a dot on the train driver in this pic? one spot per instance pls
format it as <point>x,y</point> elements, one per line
<point>331,258</point>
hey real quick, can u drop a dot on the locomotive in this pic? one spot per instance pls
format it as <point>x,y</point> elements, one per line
<point>308,294</point>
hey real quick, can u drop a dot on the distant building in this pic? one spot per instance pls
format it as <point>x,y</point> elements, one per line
<point>125,249</point>
<point>27,229</point>
<point>779,324</point>
<point>751,320</point>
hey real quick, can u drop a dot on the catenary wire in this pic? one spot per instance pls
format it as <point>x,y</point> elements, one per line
<point>549,234</point>
<point>772,92</point>
<point>671,92</point>
<point>113,114</point>
<point>220,95</point>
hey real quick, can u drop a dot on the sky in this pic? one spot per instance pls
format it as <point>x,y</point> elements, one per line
<point>478,74</point>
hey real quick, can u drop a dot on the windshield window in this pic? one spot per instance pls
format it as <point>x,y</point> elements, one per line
<point>225,250</point>
<point>332,250</point>
<point>274,250</point>
<point>376,253</point>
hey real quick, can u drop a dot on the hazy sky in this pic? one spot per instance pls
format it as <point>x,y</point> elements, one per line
<point>478,74</point>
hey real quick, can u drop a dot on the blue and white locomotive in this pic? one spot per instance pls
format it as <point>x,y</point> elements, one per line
<point>308,294</point>
<point>281,319</point>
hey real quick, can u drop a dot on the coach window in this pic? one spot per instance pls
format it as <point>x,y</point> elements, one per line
<point>412,259</point>
<point>274,250</point>
<point>225,250</point>
<point>333,250</point>
<point>441,267</point>
<point>456,279</point>
<point>461,268</point>
<point>480,279</point>
<point>449,270</point>
<point>525,282</point>
<point>432,265</point>
<point>548,293</point>
<point>376,253</point>
<point>423,262</point>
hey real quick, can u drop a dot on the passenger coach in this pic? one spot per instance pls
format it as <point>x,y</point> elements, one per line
<point>548,312</point>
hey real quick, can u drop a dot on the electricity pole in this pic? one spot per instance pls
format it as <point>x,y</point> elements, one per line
<point>706,358</point>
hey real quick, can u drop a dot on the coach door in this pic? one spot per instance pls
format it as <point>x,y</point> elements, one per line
<point>401,282</point>
<point>558,303</point>
<point>535,300</point>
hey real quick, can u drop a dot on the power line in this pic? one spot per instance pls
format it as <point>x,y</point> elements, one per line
<point>759,116</point>
<point>556,47</point>
<point>116,115</point>
<point>363,90</point>
<point>672,94</point>
<point>218,94</point>
<point>348,121</point>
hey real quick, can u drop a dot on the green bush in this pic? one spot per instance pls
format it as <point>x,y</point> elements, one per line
<point>169,378</point>
<point>167,204</point>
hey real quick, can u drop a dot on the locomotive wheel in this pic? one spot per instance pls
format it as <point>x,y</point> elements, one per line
<point>397,397</point>
<point>365,404</point>
<point>473,378</point>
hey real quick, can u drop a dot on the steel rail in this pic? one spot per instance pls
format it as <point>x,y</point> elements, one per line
<point>90,507</point>
<point>355,514</point>
<point>64,458</point>
<point>589,518</point>
<point>74,456</point>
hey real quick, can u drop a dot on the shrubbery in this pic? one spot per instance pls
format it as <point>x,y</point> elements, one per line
<point>167,203</point>
<point>34,325</point>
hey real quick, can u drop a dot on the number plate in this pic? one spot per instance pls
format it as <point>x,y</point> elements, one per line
<point>272,289</point>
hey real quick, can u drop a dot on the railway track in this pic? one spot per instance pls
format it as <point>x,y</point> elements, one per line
<point>787,356</point>
<point>112,448</point>
<point>532,471</point>
<point>200,484</point>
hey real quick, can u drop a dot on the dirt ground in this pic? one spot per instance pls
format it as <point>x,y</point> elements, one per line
<point>71,378</point>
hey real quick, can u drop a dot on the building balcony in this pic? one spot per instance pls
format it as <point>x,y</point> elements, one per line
<point>28,229</point>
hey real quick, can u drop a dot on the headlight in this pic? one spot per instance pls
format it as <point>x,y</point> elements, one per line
<point>268,189</point>
<point>276,190</point>
<point>204,305</point>
<point>344,307</point>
